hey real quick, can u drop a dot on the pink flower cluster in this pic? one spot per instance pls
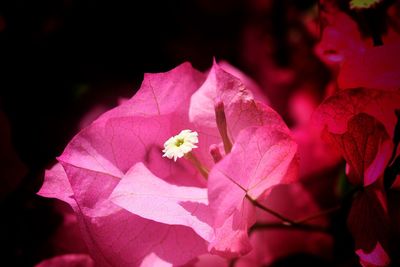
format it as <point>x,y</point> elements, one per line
<point>136,207</point>
<point>203,198</point>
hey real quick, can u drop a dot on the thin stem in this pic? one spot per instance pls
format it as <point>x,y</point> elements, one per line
<point>289,222</point>
<point>285,220</point>
<point>222,126</point>
<point>196,162</point>
<point>302,227</point>
<point>317,215</point>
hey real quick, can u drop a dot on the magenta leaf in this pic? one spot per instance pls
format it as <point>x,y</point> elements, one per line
<point>366,147</point>
<point>337,110</point>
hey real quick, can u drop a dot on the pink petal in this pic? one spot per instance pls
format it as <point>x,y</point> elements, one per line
<point>148,196</point>
<point>114,236</point>
<point>124,239</point>
<point>240,108</point>
<point>113,146</point>
<point>97,159</point>
<point>231,238</point>
<point>130,133</point>
<point>153,260</point>
<point>248,82</point>
<point>117,237</point>
<point>375,258</point>
<point>56,185</point>
<point>260,159</point>
<point>161,93</point>
<point>219,86</point>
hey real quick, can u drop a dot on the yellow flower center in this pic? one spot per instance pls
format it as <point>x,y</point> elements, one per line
<point>179,142</point>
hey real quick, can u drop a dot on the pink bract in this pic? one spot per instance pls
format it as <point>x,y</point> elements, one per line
<point>135,207</point>
<point>336,110</point>
<point>361,123</point>
<point>358,63</point>
<point>366,147</point>
<point>260,159</point>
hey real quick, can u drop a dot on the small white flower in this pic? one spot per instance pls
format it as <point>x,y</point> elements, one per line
<point>177,146</point>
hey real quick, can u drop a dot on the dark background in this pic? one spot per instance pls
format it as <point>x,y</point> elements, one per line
<point>60,58</point>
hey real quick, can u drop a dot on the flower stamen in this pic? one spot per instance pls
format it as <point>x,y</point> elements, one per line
<point>222,126</point>
<point>177,146</point>
<point>181,145</point>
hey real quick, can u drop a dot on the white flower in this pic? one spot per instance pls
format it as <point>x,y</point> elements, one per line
<point>178,145</point>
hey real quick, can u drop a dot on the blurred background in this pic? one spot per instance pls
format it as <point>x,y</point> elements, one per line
<point>64,60</point>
